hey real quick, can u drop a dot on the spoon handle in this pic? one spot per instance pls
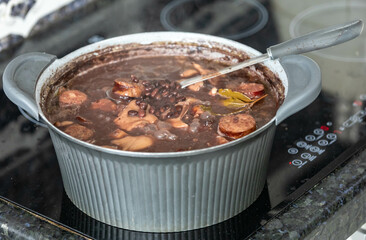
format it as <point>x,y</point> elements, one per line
<point>319,39</point>
<point>233,68</point>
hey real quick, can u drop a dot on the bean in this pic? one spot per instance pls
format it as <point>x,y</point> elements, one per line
<point>181,98</point>
<point>134,79</point>
<point>172,99</point>
<point>132,113</point>
<point>148,88</point>
<point>142,113</point>
<point>152,110</point>
<point>154,92</point>
<point>166,107</point>
<point>143,105</point>
<point>172,84</point>
<point>165,94</point>
<point>169,115</point>
<point>178,108</point>
<point>158,97</point>
<point>208,123</point>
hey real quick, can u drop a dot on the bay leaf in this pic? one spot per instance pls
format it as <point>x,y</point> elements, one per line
<point>235,95</point>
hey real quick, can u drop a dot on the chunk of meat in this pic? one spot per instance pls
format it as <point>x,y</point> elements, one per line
<point>104,104</point>
<point>63,123</point>
<point>197,110</point>
<point>195,87</point>
<point>189,73</point>
<point>127,122</point>
<point>221,140</point>
<point>83,120</point>
<point>237,126</point>
<point>177,123</point>
<point>127,88</point>
<point>134,143</point>
<point>118,133</point>
<point>252,90</point>
<point>200,69</point>
<point>213,91</point>
<point>79,132</point>
<point>71,98</point>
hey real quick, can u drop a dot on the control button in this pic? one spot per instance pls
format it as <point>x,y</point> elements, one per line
<point>308,156</point>
<point>314,149</point>
<point>323,142</point>
<point>298,162</point>
<point>310,138</point>
<point>331,136</point>
<point>318,131</point>
<point>293,151</point>
<point>301,144</point>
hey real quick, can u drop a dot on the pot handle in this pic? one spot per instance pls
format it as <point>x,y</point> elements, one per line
<point>20,78</point>
<point>304,85</point>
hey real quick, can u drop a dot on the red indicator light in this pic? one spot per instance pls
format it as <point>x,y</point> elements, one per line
<point>290,163</point>
<point>337,131</point>
<point>357,103</point>
<point>325,128</point>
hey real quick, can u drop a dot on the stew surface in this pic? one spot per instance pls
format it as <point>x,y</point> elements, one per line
<point>138,105</point>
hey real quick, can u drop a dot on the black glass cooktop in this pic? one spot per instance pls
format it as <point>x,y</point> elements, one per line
<point>307,146</point>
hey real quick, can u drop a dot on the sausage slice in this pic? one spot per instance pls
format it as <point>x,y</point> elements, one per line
<point>72,98</point>
<point>105,105</point>
<point>79,132</point>
<point>252,90</point>
<point>237,126</point>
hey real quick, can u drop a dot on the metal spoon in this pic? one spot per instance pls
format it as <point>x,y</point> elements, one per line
<point>312,41</point>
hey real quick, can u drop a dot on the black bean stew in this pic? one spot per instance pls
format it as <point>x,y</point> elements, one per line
<point>137,104</point>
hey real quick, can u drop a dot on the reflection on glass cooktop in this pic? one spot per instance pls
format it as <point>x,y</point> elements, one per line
<point>246,17</point>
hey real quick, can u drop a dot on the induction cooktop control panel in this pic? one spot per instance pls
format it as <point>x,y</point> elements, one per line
<point>316,142</point>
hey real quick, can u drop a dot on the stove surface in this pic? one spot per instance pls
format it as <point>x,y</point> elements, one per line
<point>307,145</point>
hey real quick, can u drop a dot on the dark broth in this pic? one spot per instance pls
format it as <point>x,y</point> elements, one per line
<point>159,72</point>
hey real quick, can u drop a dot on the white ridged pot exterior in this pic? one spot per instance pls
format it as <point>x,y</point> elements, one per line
<point>160,192</point>
<point>164,194</point>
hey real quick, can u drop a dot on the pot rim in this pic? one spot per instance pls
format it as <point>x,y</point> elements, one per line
<point>148,38</point>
